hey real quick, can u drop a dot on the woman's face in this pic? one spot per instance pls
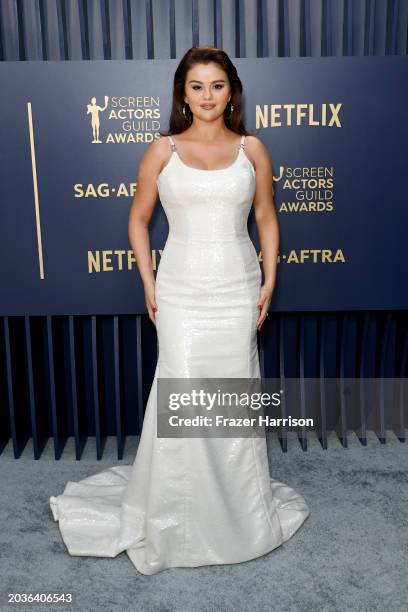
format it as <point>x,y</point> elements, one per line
<point>207,84</point>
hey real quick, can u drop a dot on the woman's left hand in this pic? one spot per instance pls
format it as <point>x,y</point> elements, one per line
<point>265,297</point>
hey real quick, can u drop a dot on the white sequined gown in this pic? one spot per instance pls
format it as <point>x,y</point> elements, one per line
<point>187,502</point>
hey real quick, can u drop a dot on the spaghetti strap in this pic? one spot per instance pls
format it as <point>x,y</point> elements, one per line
<point>242,144</point>
<point>172,144</point>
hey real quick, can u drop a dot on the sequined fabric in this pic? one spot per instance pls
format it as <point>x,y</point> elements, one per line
<point>188,502</point>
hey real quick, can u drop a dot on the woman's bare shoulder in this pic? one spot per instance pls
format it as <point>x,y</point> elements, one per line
<point>157,154</point>
<point>257,151</point>
<point>255,144</point>
<point>159,147</point>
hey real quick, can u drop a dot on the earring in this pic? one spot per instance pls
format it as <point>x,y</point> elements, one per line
<point>184,109</point>
<point>231,111</point>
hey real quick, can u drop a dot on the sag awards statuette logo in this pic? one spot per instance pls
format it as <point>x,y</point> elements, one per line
<point>128,119</point>
<point>94,109</point>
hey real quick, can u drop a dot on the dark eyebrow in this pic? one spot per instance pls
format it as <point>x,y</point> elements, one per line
<point>195,81</point>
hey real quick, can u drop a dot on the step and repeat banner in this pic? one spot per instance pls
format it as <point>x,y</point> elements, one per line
<point>72,135</point>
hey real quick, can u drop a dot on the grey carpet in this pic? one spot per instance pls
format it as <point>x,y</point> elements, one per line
<point>350,554</point>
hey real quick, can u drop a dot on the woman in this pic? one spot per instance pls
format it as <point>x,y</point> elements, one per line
<point>187,502</point>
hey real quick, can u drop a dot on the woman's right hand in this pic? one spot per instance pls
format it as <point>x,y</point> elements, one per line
<point>151,302</point>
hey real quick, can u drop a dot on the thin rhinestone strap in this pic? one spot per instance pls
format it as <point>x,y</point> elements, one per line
<point>242,144</point>
<point>172,144</point>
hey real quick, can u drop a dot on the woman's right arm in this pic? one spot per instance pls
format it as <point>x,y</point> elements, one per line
<point>141,211</point>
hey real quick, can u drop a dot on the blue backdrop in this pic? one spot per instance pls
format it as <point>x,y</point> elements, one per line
<point>336,130</point>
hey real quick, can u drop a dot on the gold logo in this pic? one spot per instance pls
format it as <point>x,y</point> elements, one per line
<point>94,109</point>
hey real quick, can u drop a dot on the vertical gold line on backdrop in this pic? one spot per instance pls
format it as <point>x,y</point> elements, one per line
<point>35,187</point>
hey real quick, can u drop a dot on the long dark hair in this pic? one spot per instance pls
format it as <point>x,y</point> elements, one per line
<point>205,54</point>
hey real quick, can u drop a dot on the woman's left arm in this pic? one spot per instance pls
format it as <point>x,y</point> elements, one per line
<point>266,222</point>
